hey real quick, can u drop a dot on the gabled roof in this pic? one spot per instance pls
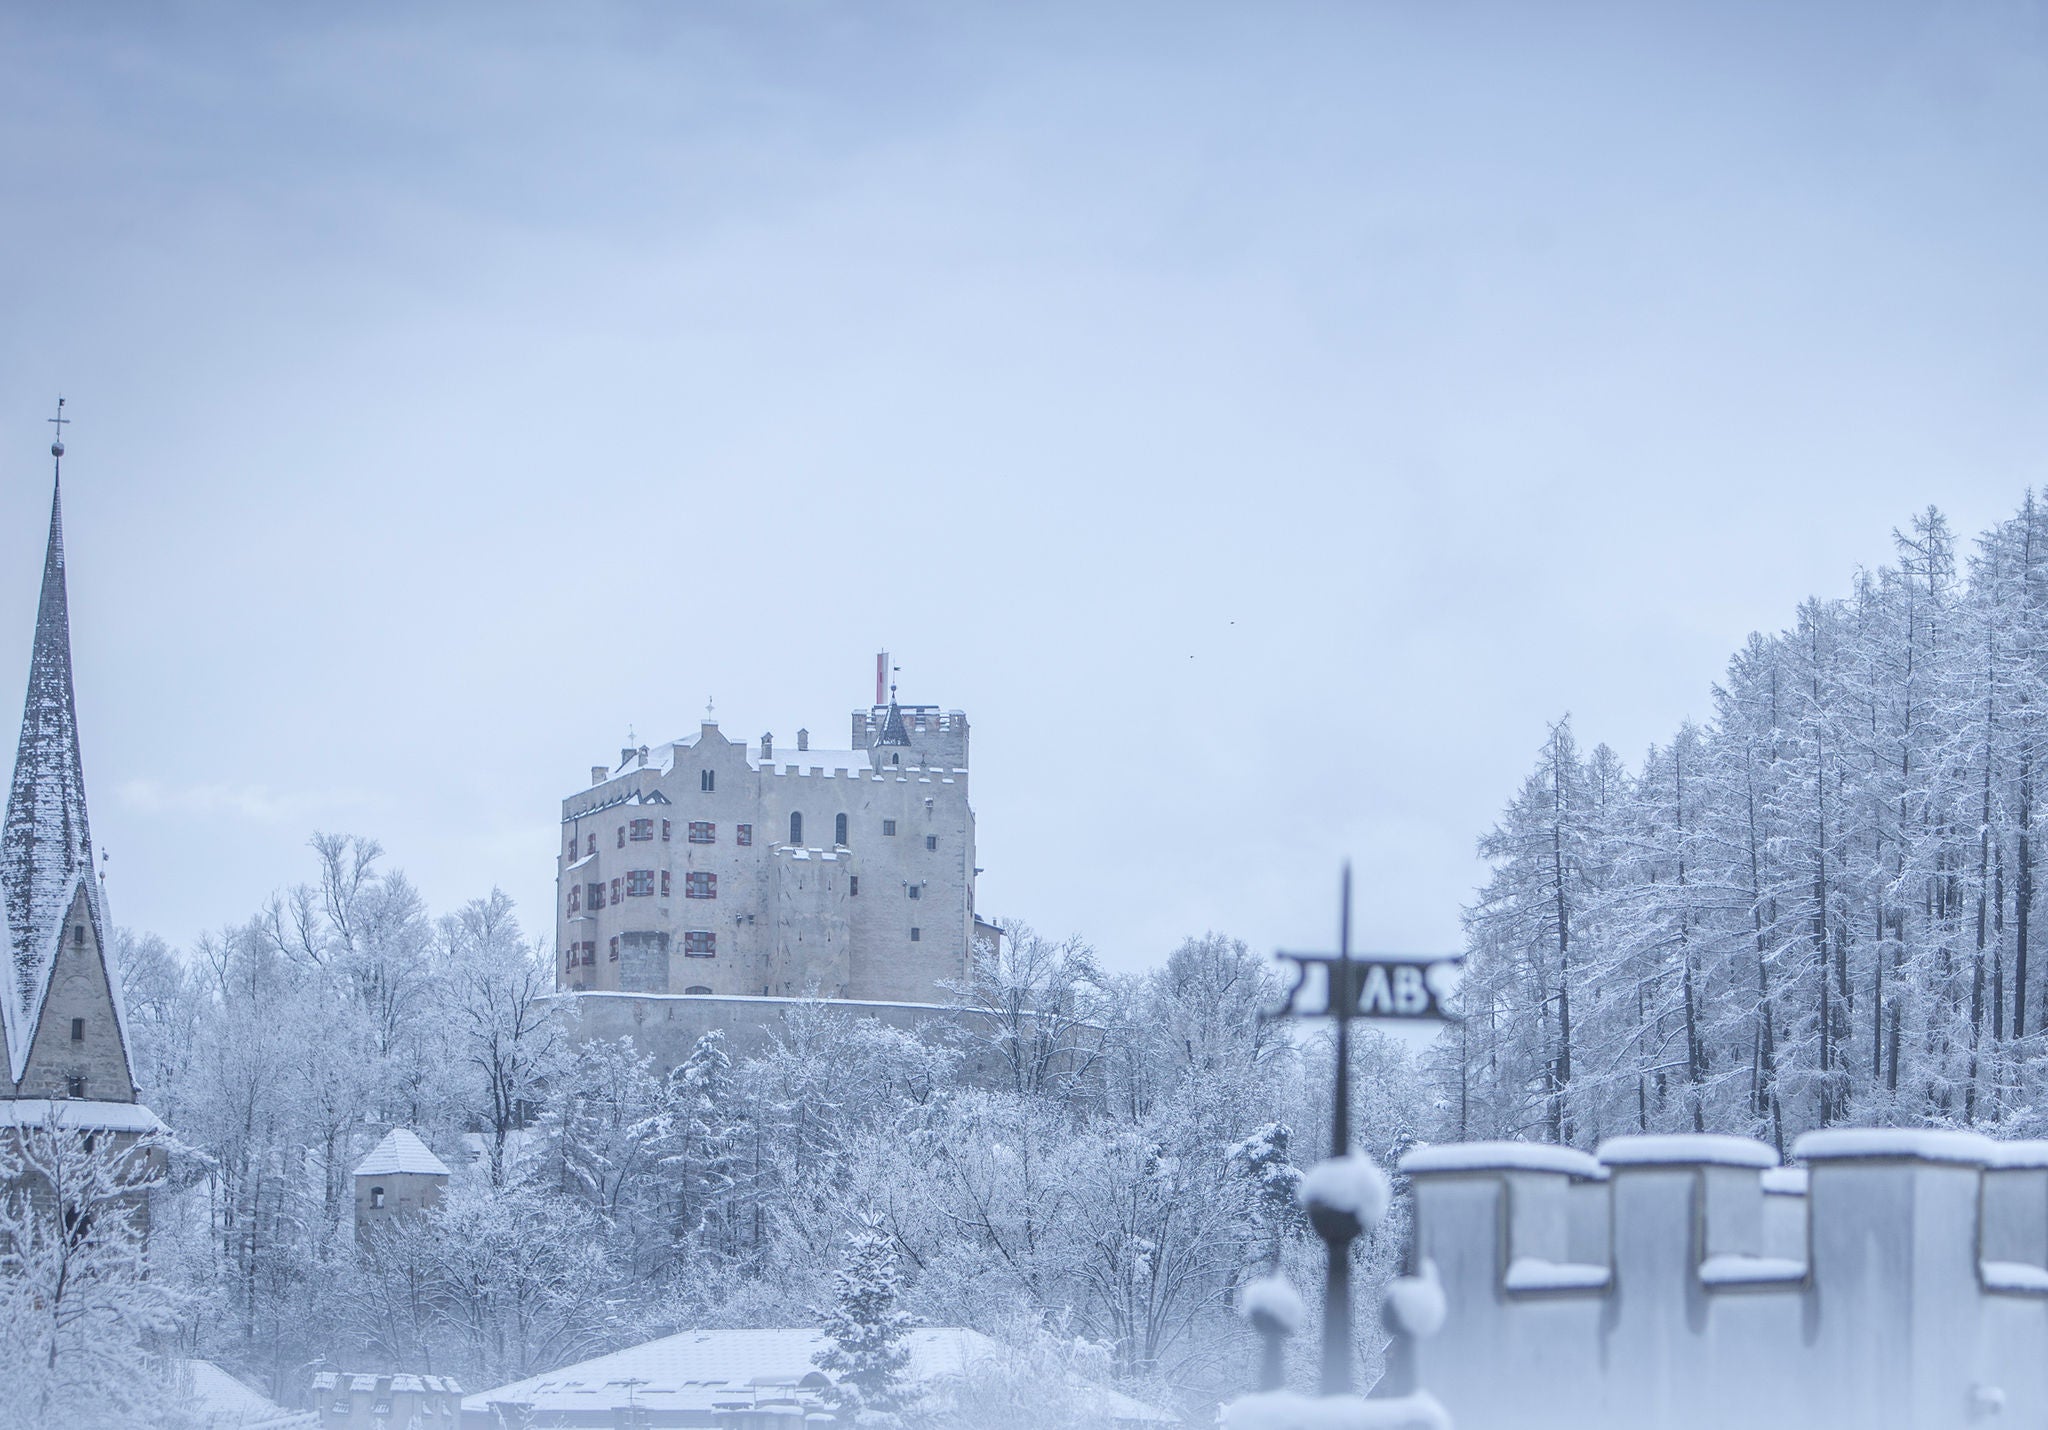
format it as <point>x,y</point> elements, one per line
<point>401,1151</point>
<point>708,1370</point>
<point>46,843</point>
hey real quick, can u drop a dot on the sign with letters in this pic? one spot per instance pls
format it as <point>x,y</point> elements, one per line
<point>1372,985</point>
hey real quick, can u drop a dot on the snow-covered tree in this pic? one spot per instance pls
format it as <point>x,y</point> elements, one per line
<point>866,1326</point>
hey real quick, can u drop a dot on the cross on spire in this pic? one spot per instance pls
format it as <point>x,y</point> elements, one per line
<point>60,421</point>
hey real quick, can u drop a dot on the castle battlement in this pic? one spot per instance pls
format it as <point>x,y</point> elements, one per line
<point>1895,1278</point>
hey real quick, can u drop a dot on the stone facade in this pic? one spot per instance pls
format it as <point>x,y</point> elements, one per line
<point>716,868</point>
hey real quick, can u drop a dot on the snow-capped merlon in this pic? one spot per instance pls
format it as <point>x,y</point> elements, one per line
<point>1898,1281</point>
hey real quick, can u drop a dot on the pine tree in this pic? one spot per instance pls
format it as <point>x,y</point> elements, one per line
<point>867,1328</point>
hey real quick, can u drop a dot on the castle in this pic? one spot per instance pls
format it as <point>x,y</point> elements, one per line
<point>63,1027</point>
<point>715,868</point>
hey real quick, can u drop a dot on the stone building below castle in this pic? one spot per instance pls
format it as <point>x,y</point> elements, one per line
<point>710,866</point>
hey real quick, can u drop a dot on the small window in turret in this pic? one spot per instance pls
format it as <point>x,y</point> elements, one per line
<point>78,933</point>
<point>78,1030</point>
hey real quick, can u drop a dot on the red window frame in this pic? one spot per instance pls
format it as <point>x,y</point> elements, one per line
<point>664,831</point>
<point>639,883</point>
<point>700,884</point>
<point>641,829</point>
<point>592,849</point>
<point>697,943</point>
<point>575,898</point>
<point>703,831</point>
<point>664,883</point>
<point>615,890</point>
<point>615,945</point>
<point>743,834</point>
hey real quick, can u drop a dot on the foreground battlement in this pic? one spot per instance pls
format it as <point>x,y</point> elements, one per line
<point>1896,1278</point>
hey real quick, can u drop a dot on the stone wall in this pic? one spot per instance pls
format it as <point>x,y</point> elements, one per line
<point>1897,1281</point>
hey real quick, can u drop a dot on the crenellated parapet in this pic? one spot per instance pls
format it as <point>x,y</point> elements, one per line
<point>1890,1279</point>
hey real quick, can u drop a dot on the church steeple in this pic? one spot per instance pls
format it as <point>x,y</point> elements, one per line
<point>46,847</point>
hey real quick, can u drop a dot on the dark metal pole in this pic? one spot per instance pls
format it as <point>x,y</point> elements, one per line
<point>1337,1283</point>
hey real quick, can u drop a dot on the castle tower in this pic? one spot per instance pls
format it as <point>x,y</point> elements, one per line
<point>66,1028</point>
<point>400,1178</point>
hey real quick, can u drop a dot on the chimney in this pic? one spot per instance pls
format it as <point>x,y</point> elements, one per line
<point>768,745</point>
<point>803,739</point>
<point>625,757</point>
<point>641,754</point>
<point>597,774</point>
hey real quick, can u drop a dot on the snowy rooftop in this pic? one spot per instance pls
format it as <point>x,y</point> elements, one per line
<point>707,1369</point>
<point>401,1151</point>
<point>78,1114</point>
<point>220,1402</point>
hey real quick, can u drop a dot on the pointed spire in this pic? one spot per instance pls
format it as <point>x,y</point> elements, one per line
<point>46,846</point>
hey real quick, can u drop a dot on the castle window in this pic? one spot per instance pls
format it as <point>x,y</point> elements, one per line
<point>888,826</point>
<point>615,891</point>
<point>575,897</point>
<point>917,891</point>
<point>744,834</point>
<point>78,1030</point>
<point>594,895</point>
<point>592,847</point>
<point>700,944</point>
<point>664,831</point>
<point>643,829</point>
<point>839,830</point>
<point>707,780</point>
<point>916,934</point>
<point>615,948</point>
<point>697,884</point>
<point>75,1085</point>
<point>895,759</point>
<point>852,886</point>
<point>590,953</point>
<point>697,988</point>
<point>796,829</point>
<point>640,884</point>
<point>376,1198</point>
<point>703,831</point>
<point>931,841</point>
<point>664,883</point>
<point>78,933</point>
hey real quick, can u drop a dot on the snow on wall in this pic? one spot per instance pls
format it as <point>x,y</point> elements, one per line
<point>1681,1282</point>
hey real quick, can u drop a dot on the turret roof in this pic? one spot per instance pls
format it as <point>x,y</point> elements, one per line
<point>401,1151</point>
<point>46,845</point>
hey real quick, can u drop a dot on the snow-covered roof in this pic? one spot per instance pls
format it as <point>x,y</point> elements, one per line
<point>703,1370</point>
<point>400,1152</point>
<point>78,1114</point>
<point>218,1401</point>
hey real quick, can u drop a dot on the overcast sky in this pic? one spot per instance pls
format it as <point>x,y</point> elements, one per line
<point>1260,419</point>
